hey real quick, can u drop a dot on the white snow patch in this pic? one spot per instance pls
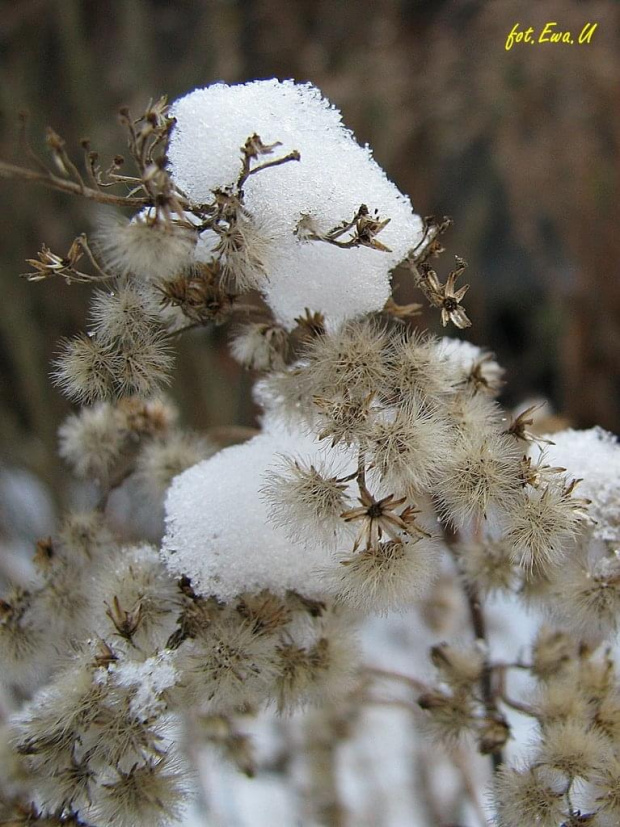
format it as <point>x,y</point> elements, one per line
<point>334,177</point>
<point>218,531</point>
<point>593,456</point>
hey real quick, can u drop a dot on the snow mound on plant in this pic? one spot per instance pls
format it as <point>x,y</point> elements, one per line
<point>333,178</point>
<point>218,530</point>
<point>593,457</point>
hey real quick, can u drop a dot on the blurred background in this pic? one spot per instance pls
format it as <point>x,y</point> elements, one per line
<point>519,147</point>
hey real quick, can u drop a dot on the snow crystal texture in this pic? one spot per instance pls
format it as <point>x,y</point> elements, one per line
<point>593,456</point>
<point>333,178</point>
<point>218,531</point>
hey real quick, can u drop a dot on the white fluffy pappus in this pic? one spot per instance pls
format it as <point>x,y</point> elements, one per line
<point>306,500</point>
<point>541,528</point>
<point>480,477</point>
<point>144,247</point>
<point>92,441</point>
<point>390,575</point>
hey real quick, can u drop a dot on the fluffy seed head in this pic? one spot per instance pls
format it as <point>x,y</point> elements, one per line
<point>481,474</point>
<point>552,651</point>
<point>529,796</point>
<point>572,748</point>
<point>84,534</point>
<point>351,361</point>
<point>140,583</point>
<point>541,526</point>
<point>559,700</point>
<point>606,788</point>
<point>92,441</point>
<point>230,667</point>
<point>285,395</point>
<point>459,668</point>
<point>607,717</point>
<point>595,677</point>
<point>409,450</point>
<point>124,314</point>
<point>335,660</point>
<point>474,369</point>
<point>593,456</point>
<point>586,594</point>
<point>260,346</point>
<point>488,566</point>
<point>21,636</point>
<point>147,417</point>
<point>84,370</point>
<point>69,787</point>
<point>146,247</point>
<point>344,419</point>
<point>159,461</point>
<point>473,412</point>
<point>449,716</point>
<point>388,575</point>
<point>242,248</point>
<point>306,500</point>
<point>418,370</point>
<point>143,367</point>
<point>294,674</point>
<point>47,728</point>
<point>148,795</point>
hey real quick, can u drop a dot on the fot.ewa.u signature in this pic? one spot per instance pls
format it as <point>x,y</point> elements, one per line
<point>550,33</point>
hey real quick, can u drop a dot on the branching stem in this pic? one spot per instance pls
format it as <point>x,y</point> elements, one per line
<point>48,179</point>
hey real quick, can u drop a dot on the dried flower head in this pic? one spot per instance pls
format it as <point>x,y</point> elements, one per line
<point>84,370</point>
<point>160,460</point>
<point>542,525</point>
<point>307,500</point>
<point>229,667</point>
<point>385,576</point>
<point>260,346</point>
<point>529,796</point>
<point>480,475</point>
<point>147,246</point>
<point>351,361</point>
<point>573,748</point>
<point>150,794</point>
<point>93,441</point>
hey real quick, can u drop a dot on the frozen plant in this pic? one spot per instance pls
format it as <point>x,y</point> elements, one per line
<point>384,468</point>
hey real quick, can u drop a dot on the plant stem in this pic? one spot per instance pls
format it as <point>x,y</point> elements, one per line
<point>71,187</point>
<point>486,683</point>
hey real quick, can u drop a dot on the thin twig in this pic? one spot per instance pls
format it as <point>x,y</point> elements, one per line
<point>417,685</point>
<point>48,179</point>
<point>395,703</point>
<point>292,156</point>
<point>486,683</point>
<point>478,623</point>
<point>103,276</point>
<point>524,709</point>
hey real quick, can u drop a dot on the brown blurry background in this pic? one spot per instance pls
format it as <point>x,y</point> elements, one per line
<point>520,147</point>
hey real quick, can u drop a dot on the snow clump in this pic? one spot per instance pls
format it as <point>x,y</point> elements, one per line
<point>326,187</point>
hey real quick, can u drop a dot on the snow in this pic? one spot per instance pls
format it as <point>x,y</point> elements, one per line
<point>149,680</point>
<point>461,353</point>
<point>334,177</point>
<point>592,456</point>
<point>218,532</point>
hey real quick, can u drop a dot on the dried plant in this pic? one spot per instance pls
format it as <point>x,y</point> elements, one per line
<point>384,472</point>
